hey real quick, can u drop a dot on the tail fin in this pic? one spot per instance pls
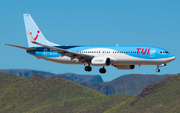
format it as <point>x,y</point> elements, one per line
<point>35,32</point>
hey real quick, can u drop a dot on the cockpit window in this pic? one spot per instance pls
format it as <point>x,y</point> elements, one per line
<point>163,52</point>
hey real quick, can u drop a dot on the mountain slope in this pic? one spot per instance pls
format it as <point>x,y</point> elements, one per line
<point>24,72</point>
<point>131,84</point>
<point>38,94</point>
<point>77,78</point>
<point>85,78</point>
<point>160,97</point>
<point>67,76</point>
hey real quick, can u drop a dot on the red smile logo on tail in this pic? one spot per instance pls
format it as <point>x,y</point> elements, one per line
<point>38,31</point>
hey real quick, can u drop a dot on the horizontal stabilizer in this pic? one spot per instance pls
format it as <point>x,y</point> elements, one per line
<point>26,48</point>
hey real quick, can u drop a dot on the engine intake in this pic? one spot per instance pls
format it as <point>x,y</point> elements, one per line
<point>101,61</point>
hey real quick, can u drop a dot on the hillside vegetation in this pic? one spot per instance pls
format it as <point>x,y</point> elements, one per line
<point>160,97</point>
<point>38,94</point>
<point>131,84</point>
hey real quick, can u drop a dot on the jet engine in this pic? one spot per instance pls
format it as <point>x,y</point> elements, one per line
<point>100,61</point>
<point>125,67</point>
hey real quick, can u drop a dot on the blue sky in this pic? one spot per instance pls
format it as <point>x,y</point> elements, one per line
<point>80,22</point>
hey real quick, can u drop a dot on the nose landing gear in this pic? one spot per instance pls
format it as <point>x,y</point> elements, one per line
<point>160,65</point>
<point>157,70</point>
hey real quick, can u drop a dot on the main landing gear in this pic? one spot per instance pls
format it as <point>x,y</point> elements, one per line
<point>88,68</point>
<point>101,70</point>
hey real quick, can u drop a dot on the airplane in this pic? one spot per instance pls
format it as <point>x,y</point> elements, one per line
<point>121,57</point>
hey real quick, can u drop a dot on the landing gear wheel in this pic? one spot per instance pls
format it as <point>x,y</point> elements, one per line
<point>102,70</point>
<point>157,70</point>
<point>88,68</point>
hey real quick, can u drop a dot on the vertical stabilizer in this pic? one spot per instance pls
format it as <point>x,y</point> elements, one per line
<point>37,35</point>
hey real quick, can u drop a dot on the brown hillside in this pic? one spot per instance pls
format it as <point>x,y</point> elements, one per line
<point>149,89</point>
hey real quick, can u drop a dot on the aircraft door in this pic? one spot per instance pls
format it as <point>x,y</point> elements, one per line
<point>99,53</point>
<point>102,53</point>
<point>152,53</point>
<point>45,52</point>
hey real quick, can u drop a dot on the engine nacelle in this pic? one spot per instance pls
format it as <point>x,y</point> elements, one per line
<point>125,67</point>
<point>100,61</point>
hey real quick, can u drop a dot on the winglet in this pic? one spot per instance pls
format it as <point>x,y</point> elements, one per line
<point>30,37</point>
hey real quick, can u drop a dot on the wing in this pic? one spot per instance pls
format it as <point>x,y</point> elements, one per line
<point>81,57</point>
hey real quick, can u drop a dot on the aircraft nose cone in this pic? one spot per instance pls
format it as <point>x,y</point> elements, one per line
<point>173,58</point>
